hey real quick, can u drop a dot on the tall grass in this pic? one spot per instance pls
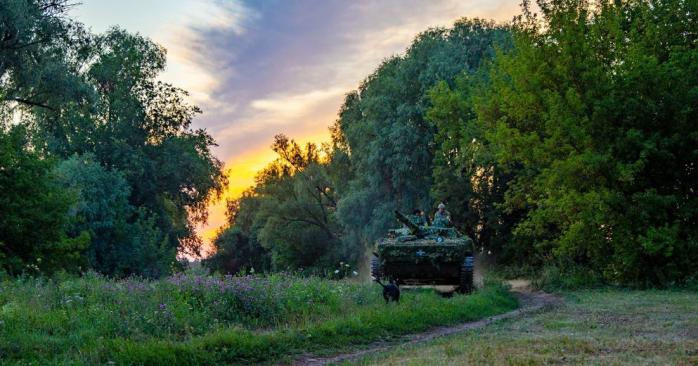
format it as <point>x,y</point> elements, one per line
<point>193,319</point>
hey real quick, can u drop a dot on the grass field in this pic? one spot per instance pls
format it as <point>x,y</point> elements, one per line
<point>195,319</point>
<point>614,327</point>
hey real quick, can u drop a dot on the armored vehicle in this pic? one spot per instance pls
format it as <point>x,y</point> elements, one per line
<point>418,254</point>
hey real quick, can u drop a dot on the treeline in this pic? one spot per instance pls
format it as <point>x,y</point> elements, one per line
<point>316,206</point>
<point>99,167</point>
<point>565,140</point>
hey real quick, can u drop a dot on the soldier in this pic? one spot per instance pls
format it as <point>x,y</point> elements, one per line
<point>442,217</point>
<point>418,217</point>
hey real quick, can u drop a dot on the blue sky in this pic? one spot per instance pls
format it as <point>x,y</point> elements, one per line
<point>258,68</point>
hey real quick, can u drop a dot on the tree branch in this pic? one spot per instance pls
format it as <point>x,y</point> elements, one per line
<point>30,103</point>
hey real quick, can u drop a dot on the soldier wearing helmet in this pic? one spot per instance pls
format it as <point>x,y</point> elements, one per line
<point>442,217</point>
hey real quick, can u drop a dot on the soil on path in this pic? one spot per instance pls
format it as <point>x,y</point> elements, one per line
<point>530,301</point>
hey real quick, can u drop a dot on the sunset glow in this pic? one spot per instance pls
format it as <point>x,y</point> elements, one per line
<point>241,172</point>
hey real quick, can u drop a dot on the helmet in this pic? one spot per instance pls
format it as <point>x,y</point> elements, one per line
<point>441,205</point>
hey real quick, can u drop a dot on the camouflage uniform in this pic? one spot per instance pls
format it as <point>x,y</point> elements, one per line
<point>442,218</point>
<point>418,220</point>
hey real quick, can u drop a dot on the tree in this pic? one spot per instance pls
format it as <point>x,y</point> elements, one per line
<point>37,48</point>
<point>236,246</point>
<point>383,131</point>
<point>288,218</point>
<point>297,208</point>
<point>123,241</point>
<point>33,212</point>
<point>142,128</point>
<point>98,96</point>
<point>236,252</point>
<point>466,173</point>
<point>597,105</point>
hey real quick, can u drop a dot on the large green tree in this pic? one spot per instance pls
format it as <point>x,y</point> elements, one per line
<point>35,74</point>
<point>598,105</point>
<point>466,173</point>
<point>141,127</point>
<point>123,240</point>
<point>38,50</point>
<point>80,93</point>
<point>299,206</point>
<point>236,246</point>
<point>33,211</point>
<point>383,131</point>
<point>288,218</point>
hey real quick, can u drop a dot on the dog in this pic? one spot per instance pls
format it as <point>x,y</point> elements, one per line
<point>391,291</point>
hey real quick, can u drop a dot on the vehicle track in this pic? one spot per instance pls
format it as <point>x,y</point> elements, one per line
<point>530,302</point>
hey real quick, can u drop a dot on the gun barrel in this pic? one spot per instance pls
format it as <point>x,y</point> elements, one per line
<point>414,229</point>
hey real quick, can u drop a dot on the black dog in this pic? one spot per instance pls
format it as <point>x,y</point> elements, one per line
<point>391,291</point>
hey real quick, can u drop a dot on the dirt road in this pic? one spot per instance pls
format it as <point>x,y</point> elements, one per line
<point>530,301</point>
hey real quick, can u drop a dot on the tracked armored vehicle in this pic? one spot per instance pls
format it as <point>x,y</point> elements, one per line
<point>418,254</point>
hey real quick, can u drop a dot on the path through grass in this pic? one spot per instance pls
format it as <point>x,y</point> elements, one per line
<point>593,327</point>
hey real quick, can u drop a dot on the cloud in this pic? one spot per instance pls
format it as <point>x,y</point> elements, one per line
<point>295,105</point>
<point>188,64</point>
<point>293,61</point>
<point>279,112</point>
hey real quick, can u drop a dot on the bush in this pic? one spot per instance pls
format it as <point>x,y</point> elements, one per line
<point>553,278</point>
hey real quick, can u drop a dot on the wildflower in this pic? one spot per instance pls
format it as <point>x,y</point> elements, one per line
<point>162,306</point>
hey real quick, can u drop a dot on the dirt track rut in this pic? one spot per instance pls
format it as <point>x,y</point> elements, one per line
<point>530,302</point>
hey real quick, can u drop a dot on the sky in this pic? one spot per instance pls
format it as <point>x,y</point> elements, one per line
<point>260,68</point>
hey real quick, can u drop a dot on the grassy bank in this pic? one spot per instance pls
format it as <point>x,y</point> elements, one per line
<point>191,319</point>
<point>616,327</point>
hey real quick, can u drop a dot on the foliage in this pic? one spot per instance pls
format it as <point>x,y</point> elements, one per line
<point>465,171</point>
<point>383,130</point>
<point>554,278</point>
<point>141,127</point>
<point>76,93</point>
<point>287,217</point>
<point>123,240</point>
<point>297,206</point>
<point>596,106</point>
<point>189,318</point>
<point>236,251</point>
<point>33,212</point>
<point>37,50</point>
